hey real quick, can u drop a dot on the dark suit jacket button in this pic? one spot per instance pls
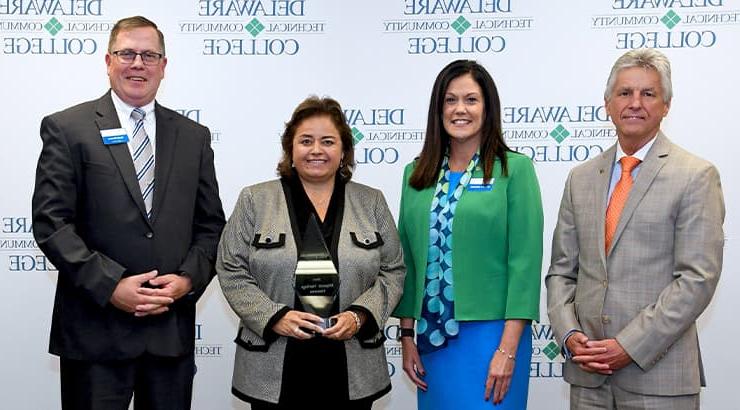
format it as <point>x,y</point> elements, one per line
<point>149,235</point>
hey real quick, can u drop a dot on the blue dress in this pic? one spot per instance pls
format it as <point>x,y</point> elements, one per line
<point>456,374</point>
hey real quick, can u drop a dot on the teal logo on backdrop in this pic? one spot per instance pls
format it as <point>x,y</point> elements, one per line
<point>664,24</point>
<point>357,136</point>
<point>547,362</point>
<point>276,28</point>
<point>35,28</point>
<point>53,26</point>
<point>456,27</point>
<point>254,27</point>
<point>558,133</point>
<point>551,350</point>
<point>460,25</point>
<point>670,19</point>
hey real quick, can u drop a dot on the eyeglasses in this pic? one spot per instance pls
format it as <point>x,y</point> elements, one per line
<point>147,57</point>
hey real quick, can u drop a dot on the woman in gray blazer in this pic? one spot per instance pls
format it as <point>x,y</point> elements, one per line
<point>311,232</point>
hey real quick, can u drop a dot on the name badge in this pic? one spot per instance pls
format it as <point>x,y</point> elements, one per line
<point>477,185</point>
<point>114,136</point>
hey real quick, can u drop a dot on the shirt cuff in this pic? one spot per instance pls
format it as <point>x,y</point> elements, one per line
<point>564,347</point>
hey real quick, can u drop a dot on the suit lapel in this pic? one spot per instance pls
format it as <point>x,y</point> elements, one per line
<point>165,143</point>
<point>603,176</point>
<point>654,161</point>
<point>107,119</point>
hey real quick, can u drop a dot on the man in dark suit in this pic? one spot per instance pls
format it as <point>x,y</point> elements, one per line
<point>126,206</point>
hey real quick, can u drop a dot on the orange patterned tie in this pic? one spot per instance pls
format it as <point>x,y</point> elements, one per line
<point>619,197</point>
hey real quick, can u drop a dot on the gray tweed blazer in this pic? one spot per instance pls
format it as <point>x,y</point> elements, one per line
<point>256,262</point>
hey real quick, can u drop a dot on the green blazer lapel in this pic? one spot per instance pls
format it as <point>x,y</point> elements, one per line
<point>166,142</point>
<point>654,161</point>
<point>108,119</point>
<point>417,208</point>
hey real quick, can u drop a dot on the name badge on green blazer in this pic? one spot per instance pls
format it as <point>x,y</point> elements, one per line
<point>478,185</point>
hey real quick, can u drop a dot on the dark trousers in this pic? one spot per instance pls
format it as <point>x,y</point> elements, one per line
<point>156,383</point>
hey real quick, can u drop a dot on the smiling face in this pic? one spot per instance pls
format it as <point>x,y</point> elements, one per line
<point>135,83</point>
<point>463,110</point>
<point>317,150</point>
<point>636,106</point>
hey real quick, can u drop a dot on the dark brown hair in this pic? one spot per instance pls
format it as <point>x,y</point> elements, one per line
<point>130,23</point>
<point>314,106</point>
<point>492,143</point>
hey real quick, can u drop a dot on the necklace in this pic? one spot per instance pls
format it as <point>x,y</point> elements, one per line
<point>319,202</point>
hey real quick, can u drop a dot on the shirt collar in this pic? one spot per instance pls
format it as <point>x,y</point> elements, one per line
<point>126,109</point>
<point>640,154</point>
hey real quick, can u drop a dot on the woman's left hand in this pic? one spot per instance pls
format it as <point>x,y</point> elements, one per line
<point>344,328</point>
<point>498,381</point>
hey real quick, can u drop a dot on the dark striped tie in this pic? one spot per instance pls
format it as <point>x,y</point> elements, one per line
<point>143,157</point>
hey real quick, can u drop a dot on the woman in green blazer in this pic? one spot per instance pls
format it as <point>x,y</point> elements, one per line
<point>472,298</point>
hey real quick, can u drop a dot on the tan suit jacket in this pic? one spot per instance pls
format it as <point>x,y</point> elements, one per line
<point>661,272</point>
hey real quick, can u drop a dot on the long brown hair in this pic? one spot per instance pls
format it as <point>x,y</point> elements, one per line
<point>437,139</point>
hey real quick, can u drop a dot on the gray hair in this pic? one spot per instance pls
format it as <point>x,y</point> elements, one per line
<point>645,58</point>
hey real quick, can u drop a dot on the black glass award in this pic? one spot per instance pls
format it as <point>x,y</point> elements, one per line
<point>316,278</point>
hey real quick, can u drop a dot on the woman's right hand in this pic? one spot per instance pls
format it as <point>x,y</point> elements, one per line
<point>295,323</point>
<point>412,362</point>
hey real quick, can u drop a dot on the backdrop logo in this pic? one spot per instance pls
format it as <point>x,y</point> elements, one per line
<point>52,27</point>
<point>253,27</point>
<point>558,133</point>
<point>195,114</point>
<point>670,19</point>
<point>392,348</point>
<point>665,23</point>
<point>456,26</point>
<point>379,133</point>
<point>51,7</point>
<point>460,25</point>
<point>202,348</point>
<point>21,253</point>
<point>547,362</point>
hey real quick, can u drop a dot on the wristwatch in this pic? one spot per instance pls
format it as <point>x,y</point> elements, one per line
<point>404,332</point>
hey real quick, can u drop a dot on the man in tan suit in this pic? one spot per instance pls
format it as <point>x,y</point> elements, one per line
<point>636,255</point>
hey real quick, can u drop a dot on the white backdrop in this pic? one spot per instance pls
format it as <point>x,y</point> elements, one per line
<point>241,66</point>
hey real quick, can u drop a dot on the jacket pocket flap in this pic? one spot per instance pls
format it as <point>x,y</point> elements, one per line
<point>366,240</point>
<point>268,240</point>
